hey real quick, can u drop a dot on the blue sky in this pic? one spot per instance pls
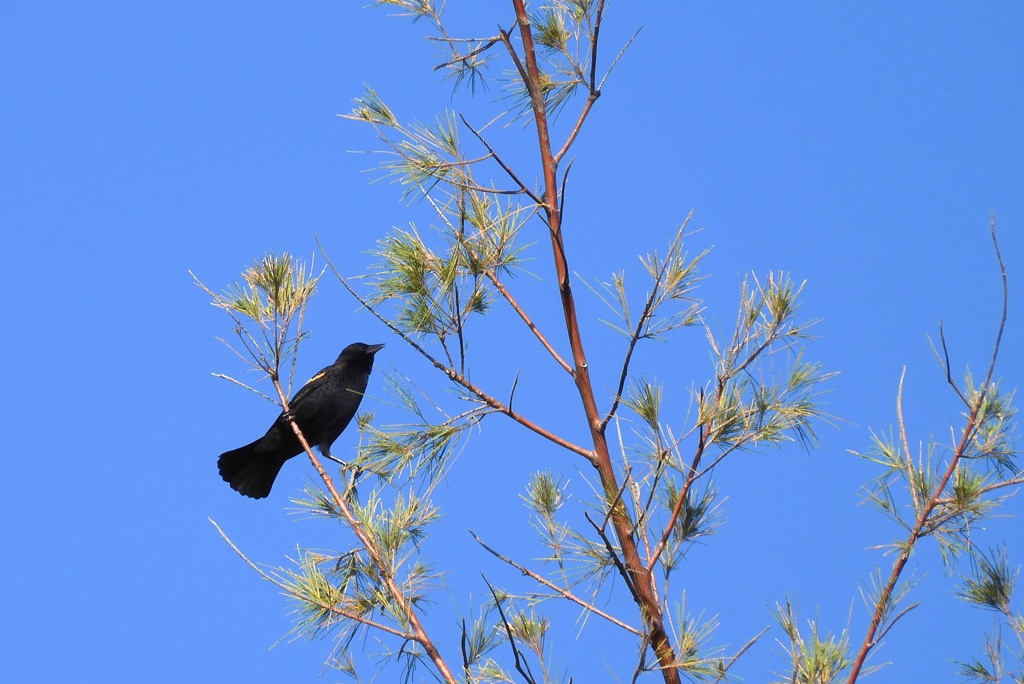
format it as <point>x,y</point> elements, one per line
<point>860,147</point>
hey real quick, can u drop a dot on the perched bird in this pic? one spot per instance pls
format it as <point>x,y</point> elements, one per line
<point>322,409</point>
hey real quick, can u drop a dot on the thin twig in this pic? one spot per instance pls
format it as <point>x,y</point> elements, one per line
<point>454,375</point>
<point>949,368</point>
<point>1016,480</point>
<point>522,666</point>
<point>891,623</point>
<point>472,53</point>
<point>641,665</point>
<point>458,305</point>
<point>626,576</point>
<point>564,593</point>
<point>290,592</point>
<point>911,471</point>
<point>645,316</point>
<point>615,62</point>
<point>222,376</point>
<point>1006,298</point>
<point>565,181</point>
<point>500,286</point>
<point>465,655</point>
<point>680,499</point>
<point>505,167</point>
<point>739,653</point>
<point>598,16</point>
<point>507,42</point>
<point>587,106</point>
<point>593,89</point>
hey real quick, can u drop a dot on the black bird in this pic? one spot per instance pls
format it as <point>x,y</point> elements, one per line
<point>322,408</point>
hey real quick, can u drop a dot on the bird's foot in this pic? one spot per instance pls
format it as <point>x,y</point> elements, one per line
<point>337,460</point>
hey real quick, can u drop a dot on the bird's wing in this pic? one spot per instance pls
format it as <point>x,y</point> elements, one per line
<point>308,388</point>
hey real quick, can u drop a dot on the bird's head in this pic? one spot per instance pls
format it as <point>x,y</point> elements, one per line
<point>359,353</point>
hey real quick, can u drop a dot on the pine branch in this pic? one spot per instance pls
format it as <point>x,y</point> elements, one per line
<point>564,593</point>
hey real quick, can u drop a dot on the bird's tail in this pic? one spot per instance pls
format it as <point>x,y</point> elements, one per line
<point>248,472</point>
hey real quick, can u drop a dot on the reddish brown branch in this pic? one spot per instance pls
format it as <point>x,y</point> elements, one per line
<point>642,580</point>
<point>591,99</point>
<point>924,525</point>
<point>419,634</point>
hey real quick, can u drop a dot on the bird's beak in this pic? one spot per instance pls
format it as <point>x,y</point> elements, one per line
<point>374,348</point>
